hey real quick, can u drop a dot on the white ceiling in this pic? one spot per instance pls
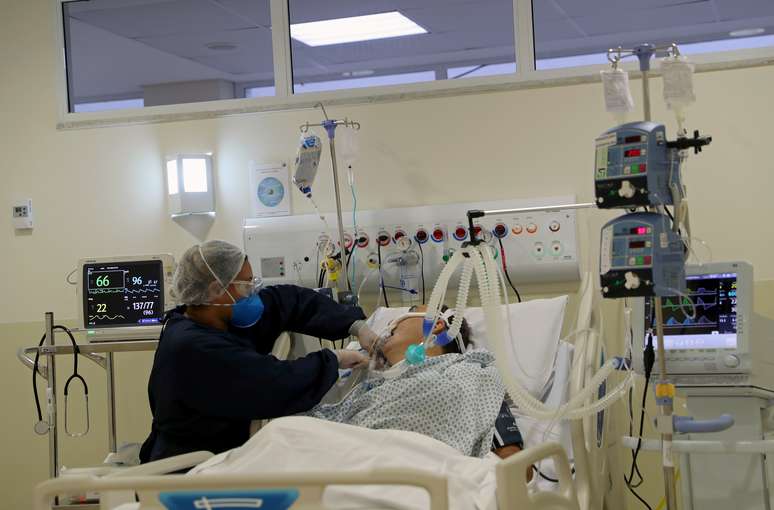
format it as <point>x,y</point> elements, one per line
<point>575,27</point>
<point>119,45</point>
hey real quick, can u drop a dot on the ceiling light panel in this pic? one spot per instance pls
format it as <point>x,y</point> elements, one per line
<point>354,29</point>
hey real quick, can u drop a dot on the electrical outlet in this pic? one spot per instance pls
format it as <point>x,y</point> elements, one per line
<point>22,214</point>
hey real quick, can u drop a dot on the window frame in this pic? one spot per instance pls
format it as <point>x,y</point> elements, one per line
<point>526,76</point>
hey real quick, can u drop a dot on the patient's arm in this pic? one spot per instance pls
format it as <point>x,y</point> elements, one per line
<point>506,451</point>
<point>507,440</point>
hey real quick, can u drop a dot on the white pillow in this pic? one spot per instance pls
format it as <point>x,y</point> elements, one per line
<point>535,327</point>
<point>536,432</point>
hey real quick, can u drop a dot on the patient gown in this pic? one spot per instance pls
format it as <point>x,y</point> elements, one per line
<point>454,398</point>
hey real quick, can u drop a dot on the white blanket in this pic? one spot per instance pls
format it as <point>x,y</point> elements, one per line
<point>293,444</point>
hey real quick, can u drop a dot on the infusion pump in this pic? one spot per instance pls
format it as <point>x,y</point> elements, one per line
<point>725,344</point>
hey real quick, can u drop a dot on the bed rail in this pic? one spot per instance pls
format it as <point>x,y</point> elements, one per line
<point>309,485</point>
<point>588,456</point>
<point>513,491</point>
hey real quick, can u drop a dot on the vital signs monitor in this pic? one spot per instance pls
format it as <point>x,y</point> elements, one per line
<point>124,298</point>
<point>711,335</point>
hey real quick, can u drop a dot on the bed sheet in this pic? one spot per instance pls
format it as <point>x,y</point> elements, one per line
<point>304,444</point>
<point>294,444</point>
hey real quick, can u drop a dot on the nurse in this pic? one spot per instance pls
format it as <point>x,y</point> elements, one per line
<point>213,372</point>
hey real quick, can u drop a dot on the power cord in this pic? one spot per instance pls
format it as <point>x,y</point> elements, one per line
<point>321,278</point>
<point>649,359</point>
<point>505,270</point>
<point>631,433</point>
<point>546,477</point>
<point>631,415</point>
<point>422,269</point>
<point>381,276</point>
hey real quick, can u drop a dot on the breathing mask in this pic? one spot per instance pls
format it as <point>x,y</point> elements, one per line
<point>416,354</point>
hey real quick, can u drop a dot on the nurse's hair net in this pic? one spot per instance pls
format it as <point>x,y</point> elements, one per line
<point>195,283</point>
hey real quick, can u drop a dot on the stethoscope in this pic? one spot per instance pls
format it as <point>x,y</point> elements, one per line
<point>42,427</point>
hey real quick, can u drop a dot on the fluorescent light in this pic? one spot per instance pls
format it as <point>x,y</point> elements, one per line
<point>194,175</point>
<point>172,177</point>
<point>356,28</point>
<point>746,32</point>
<point>370,81</point>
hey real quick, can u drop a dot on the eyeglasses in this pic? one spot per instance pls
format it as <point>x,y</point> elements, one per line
<point>248,287</point>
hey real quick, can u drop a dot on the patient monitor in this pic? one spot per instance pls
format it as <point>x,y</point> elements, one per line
<point>726,345</point>
<point>124,298</point>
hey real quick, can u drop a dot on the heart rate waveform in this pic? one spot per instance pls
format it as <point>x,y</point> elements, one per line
<point>671,305</point>
<point>147,290</point>
<point>701,291</point>
<point>708,299</point>
<point>688,303</point>
<point>144,291</point>
<point>106,317</point>
<point>688,322</point>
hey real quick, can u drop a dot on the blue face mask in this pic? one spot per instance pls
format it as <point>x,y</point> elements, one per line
<point>247,311</point>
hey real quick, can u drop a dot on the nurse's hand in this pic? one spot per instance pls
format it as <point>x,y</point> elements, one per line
<point>350,359</point>
<point>364,334</point>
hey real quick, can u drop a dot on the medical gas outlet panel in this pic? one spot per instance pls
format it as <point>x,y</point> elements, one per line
<point>635,167</point>
<point>414,242</point>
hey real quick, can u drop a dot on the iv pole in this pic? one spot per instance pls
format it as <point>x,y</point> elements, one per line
<point>330,128</point>
<point>665,391</point>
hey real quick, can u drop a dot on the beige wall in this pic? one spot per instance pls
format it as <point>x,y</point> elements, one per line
<point>100,192</point>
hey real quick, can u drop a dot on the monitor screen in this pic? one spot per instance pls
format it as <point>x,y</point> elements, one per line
<point>123,294</point>
<point>714,327</point>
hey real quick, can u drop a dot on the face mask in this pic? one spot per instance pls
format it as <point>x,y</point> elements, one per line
<point>247,311</point>
<point>416,354</point>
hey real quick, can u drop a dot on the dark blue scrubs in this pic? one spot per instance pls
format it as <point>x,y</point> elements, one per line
<point>206,384</point>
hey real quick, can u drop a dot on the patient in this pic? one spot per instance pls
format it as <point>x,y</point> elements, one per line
<point>455,397</point>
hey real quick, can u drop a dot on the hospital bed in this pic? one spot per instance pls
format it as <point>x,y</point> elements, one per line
<point>513,491</point>
<point>584,441</point>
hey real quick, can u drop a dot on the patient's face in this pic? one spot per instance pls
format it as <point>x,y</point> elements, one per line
<point>407,332</point>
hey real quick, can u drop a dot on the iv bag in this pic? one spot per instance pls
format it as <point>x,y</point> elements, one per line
<point>347,145</point>
<point>306,162</point>
<point>618,97</point>
<point>677,74</point>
